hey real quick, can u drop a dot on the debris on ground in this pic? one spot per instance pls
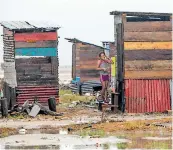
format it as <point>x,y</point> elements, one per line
<point>33,109</point>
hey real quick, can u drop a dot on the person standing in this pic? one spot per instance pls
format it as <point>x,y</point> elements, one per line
<point>104,66</point>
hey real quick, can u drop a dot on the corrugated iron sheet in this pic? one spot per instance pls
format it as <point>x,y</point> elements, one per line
<point>89,86</point>
<point>41,92</point>
<point>147,95</point>
<point>16,25</point>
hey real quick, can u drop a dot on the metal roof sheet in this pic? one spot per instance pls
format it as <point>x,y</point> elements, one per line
<point>140,13</point>
<point>74,40</point>
<point>24,25</point>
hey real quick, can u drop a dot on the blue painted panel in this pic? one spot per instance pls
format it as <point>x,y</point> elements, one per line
<point>36,52</point>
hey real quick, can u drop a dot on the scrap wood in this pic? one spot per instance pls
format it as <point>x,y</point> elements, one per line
<point>47,111</point>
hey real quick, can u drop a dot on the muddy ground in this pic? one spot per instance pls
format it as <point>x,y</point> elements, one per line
<point>87,128</point>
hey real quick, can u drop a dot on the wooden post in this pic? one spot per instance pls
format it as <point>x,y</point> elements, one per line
<point>4,107</point>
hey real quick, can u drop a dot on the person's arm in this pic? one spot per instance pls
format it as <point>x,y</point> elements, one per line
<point>108,60</point>
<point>98,66</point>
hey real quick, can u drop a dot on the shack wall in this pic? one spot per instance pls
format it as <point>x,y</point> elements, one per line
<point>147,65</point>
<point>85,62</point>
<point>37,74</point>
<point>148,49</point>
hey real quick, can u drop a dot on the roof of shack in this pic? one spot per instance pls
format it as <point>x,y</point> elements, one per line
<point>74,40</point>
<point>31,25</point>
<point>139,13</point>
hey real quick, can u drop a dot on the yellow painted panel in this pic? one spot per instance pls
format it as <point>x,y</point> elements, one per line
<point>113,67</point>
<point>147,45</point>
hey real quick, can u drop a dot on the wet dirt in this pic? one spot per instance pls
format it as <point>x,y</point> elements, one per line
<point>88,132</point>
<point>62,139</point>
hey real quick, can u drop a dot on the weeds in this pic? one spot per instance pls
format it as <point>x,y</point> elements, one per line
<point>4,132</point>
<point>66,96</point>
<point>92,133</point>
<point>122,145</point>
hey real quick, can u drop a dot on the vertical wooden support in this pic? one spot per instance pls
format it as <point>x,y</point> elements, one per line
<point>4,107</point>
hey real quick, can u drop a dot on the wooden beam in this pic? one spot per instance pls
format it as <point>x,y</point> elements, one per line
<point>148,36</point>
<point>148,74</point>
<point>32,37</point>
<point>148,26</point>
<point>147,45</point>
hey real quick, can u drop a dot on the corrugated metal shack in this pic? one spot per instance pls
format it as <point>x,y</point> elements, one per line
<point>144,60</point>
<point>30,61</point>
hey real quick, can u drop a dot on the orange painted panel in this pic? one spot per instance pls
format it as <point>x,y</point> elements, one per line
<point>166,74</point>
<point>147,45</point>
<point>32,37</point>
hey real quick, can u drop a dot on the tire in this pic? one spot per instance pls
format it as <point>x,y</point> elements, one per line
<point>52,104</point>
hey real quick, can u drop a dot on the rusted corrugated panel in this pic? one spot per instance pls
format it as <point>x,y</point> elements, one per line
<point>41,92</point>
<point>147,95</point>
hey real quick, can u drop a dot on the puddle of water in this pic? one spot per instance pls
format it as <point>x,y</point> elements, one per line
<point>60,139</point>
<point>60,142</point>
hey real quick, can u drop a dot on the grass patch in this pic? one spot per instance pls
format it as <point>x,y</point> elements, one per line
<point>66,96</point>
<point>122,145</point>
<point>62,92</point>
<point>4,132</point>
<point>92,133</point>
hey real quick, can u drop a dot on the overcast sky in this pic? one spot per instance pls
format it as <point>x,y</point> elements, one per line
<point>87,20</point>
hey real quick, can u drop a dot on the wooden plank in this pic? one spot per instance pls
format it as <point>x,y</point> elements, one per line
<point>147,45</point>
<point>148,36</point>
<point>166,74</point>
<point>141,65</point>
<point>148,55</point>
<point>36,44</point>
<point>87,67</point>
<point>32,37</point>
<point>36,51</point>
<point>148,26</point>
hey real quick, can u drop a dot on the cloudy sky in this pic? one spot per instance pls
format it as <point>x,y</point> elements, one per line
<point>87,20</point>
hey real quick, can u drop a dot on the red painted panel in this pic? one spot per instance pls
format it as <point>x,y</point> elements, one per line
<point>42,93</point>
<point>33,37</point>
<point>147,95</point>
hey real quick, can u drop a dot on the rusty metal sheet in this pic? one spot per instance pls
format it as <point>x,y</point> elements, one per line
<point>148,54</point>
<point>147,36</point>
<point>158,74</point>
<point>42,92</point>
<point>148,26</point>
<point>147,95</point>
<point>147,45</point>
<point>141,65</point>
